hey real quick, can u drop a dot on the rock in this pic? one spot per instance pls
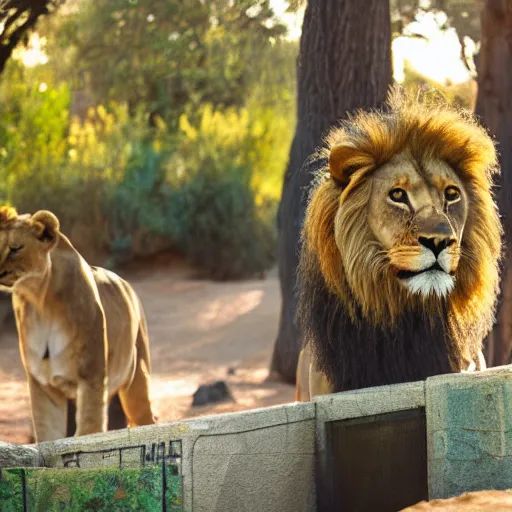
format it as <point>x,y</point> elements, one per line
<point>211,393</point>
<point>231,371</point>
<point>480,501</point>
<point>18,456</point>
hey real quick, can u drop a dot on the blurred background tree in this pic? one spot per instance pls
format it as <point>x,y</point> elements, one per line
<point>149,125</point>
<point>494,106</point>
<point>174,55</point>
<point>338,71</point>
<point>17,19</point>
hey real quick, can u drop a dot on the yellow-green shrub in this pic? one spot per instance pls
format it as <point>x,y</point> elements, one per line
<point>210,190</point>
<point>227,179</point>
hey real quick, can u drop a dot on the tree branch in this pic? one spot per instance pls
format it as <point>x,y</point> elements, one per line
<point>11,12</point>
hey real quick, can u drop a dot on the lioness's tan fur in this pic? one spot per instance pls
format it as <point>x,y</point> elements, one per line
<point>82,330</point>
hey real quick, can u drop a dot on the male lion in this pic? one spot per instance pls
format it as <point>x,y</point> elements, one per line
<point>82,330</point>
<point>400,249</point>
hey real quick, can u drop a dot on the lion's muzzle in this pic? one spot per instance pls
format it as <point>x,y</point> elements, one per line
<point>428,266</point>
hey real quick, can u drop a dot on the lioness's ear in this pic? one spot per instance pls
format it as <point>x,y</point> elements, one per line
<point>7,214</point>
<point>46,226</point>
<point>345,160</point>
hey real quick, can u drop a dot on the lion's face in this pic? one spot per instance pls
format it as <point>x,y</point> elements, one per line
<point>417,212</point>
<point>25,245</point>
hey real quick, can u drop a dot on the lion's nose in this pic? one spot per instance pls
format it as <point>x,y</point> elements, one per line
<point>434,230</point>
<point>436,244</point>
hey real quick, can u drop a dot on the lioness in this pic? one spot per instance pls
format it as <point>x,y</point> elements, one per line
<point>82,330</point>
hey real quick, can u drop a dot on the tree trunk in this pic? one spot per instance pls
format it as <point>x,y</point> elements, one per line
<point>494,107</point>
<point>344,64</point>
<point>17,19</point>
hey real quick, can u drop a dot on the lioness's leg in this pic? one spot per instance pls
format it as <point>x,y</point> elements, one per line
<point>92,385</point>
<point>135,399</point>
<point>116,416</point>
<point>49,409</point>
<point>91,407</point>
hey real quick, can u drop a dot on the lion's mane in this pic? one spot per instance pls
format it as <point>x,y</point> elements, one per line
<point>364,328</point>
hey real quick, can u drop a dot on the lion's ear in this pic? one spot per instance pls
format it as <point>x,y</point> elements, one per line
<point>46,226</point>
<point>345,160</point>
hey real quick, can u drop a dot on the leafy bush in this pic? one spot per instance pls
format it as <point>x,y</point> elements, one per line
<point>218,226</point>
<point>33,123</point>
<point>122,188</point>
<point>223,223</point>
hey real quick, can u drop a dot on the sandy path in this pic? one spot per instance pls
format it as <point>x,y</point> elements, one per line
<point>198,329</point>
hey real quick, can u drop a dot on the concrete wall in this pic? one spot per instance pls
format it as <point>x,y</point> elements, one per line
<point>255,461</point>
<point>262,460</point>
<point>469,425</point>
<point>469,432</point>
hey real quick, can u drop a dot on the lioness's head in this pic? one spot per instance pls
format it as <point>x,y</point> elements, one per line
<point>25,244</point>
<point>404,212</point>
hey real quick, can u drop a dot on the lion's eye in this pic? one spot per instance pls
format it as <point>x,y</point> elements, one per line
<point>451,194</point>
<point>398,195</point>
<point>14,250</point>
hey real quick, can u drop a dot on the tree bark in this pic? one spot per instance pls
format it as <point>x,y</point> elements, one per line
<point>494,107</point>
<point>17,19</point>
<point>344,64</point>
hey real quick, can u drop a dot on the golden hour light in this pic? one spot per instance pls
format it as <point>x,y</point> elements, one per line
<point>33,54</point>
<point>437,56</point>
<point>254,254</point>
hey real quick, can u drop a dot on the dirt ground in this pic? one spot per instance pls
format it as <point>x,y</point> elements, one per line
<point>199,330</point>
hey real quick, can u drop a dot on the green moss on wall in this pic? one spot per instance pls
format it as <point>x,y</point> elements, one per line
<point>77,490</point>
<point>11,490</point>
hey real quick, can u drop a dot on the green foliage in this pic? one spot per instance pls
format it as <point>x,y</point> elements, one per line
<point>172,54</point>
<point>11,489</point>
<point>209,190</point>
<point>218,225</point>
<point>34,120</point>
<point>224,217</point>
<point>212,190</point>
<point>77,490</point>
<point>155,125</point>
